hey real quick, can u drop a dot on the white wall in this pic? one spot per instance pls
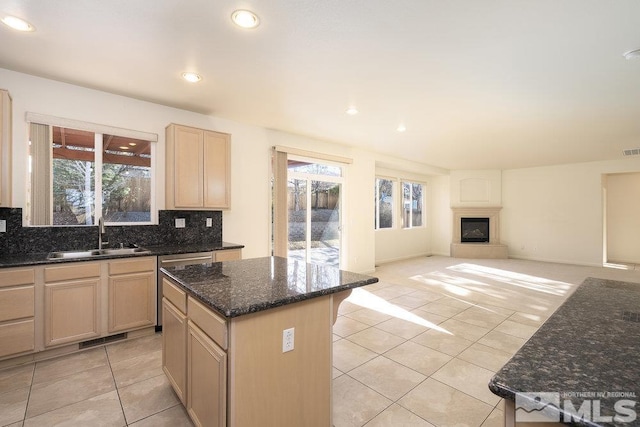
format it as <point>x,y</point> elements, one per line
<point>248,221</point>
<point>555,213</point>
<point>476,188</point>
<point>397,243</point>
<point>623,217</point>
<point>441,216</point>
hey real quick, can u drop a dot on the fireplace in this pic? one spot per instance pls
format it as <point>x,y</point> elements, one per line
<point>474,222</point>
<point>474,230</point>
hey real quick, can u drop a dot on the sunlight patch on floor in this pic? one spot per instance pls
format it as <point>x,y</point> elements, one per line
<point>456,285</point>
<point>373,302</point>
<point>619,266</point>
<point>534,283</point>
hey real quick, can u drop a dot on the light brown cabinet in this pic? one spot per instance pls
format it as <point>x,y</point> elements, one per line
<point>5,148</point>
<point>132,289</point>
<point>206,379</point>
<point>71,303</point>
<point>174,338</point>
<point>197,168</point>
<point>194,357</point>
<point>237,373</point>
<point>17,309</point>
<point>227,255</point>
<point>84,300</point>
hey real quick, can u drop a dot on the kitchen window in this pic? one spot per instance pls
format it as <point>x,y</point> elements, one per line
<point>79,172</point>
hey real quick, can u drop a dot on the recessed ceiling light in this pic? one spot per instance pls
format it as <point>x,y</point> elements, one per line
<point>401,128</point>
<point>632,54</point>
<point>245,19</point>
<point>17,23</point>
<point>352,111</point>
<point>191,77</point>
<point>124,147</point>
<point>133,144</point>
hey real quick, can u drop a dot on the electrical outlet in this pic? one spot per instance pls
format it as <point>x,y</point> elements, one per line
<point>287,339</point>
<point>209,222</point>
<point>3,225</point>
<point>180,223</point>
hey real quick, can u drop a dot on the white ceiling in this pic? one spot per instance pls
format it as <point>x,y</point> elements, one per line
<point>478,84</point>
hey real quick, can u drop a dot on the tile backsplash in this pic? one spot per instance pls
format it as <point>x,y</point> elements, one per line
<point>20,240</point>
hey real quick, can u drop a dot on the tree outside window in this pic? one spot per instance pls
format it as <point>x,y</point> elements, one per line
<point>384,203</point>
<point>121,169</point>
<point>412,205</point>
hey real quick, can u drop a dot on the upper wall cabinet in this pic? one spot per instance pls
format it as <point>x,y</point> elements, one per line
<point>5,149</point>
<point>198,168</point>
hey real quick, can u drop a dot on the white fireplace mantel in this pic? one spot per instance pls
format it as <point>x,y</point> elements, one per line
<point>493,249</point>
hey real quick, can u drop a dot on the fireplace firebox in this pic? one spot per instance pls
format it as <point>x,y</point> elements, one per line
<point>474,230</point>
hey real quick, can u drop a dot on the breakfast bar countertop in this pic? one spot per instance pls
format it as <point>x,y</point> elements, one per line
<point>588,350</point>
<point>234,288</point>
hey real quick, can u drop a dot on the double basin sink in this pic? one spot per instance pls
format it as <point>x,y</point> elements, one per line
<point>96,253</point>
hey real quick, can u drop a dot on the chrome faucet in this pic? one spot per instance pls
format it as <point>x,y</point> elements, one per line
<point>101,231</point>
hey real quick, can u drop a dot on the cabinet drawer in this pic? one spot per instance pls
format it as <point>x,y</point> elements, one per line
<point>228,255</point>
<point>175,295</point>
<point>11,277</point>
<point>16,337</point>
<point>76,270</point>
<point>210,323</point>
<point>132,265</point>
<point>16,303</point>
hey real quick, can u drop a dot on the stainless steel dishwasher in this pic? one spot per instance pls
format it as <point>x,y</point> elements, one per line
<point>176,261</point>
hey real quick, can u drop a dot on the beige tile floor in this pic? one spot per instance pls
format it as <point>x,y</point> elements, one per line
<point>415,349</point>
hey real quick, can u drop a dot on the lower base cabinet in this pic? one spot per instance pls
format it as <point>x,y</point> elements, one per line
<point>132,291</point>
<point>206,380</point>
<point>71,311</point>
<point>236,372</point>
<point>16,337</point>
<point>17,309</point>
<point>174,355</point>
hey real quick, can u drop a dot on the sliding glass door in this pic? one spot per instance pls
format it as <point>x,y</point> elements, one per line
<point>314,193</point>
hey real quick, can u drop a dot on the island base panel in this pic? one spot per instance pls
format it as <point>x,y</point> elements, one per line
<point>269,387</point>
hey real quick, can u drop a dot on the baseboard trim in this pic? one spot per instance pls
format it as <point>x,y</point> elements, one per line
<point>402,258</point>
<point>557,261</point>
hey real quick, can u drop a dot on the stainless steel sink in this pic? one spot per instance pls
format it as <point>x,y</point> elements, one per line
<point>124,251</point>
<point>94,253</point>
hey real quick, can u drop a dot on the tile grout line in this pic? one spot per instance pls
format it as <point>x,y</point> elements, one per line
<point>26,407</point>
<point>115,386</point>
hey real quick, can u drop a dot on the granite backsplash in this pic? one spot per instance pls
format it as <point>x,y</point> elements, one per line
<point>23,240</point>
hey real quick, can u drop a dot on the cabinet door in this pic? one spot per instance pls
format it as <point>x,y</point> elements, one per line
<point>174,348</point>
<point>71,311</point>
<point>206,380</point>
<point>216,157</point>
<point>131,301</point>
<point>188,172</point>
<point>17,337</point>
<point>228,255</point>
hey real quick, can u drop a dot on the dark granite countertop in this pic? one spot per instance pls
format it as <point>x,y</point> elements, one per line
<point>588,350</point>
<point>234,288</point>
<point>22,260</point>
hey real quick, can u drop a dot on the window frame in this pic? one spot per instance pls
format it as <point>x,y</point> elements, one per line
<point>99,132</point>
<point>397,209</point>
<point>394,191</point>
<point>402,208</point>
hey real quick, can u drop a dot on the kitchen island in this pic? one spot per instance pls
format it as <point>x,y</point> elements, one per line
<point>249,342</point>
<point>582,367</point>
